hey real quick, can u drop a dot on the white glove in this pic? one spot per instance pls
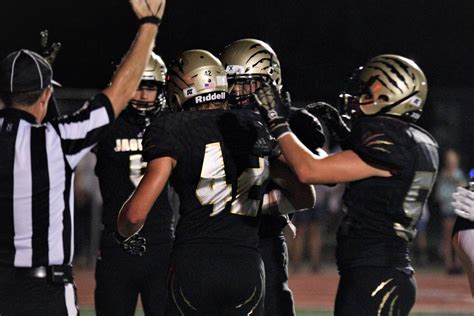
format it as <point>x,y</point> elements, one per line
<point>144,8</point>
<point>464,203</point>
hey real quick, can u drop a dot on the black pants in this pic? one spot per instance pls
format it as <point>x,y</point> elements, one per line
<point>375,291</point>
<point>278,296</point>
<point>120,277</point>
<point>215,280</point>
<point>25,296</point>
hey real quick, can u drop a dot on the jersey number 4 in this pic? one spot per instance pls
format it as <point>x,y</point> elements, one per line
<point>137,165</point>
<point>214,190</point>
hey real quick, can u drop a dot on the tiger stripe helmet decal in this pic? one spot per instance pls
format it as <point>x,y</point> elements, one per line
<point>393,85</point>
<point>251,58</point>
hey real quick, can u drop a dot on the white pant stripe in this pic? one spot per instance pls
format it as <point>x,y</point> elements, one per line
<point>70,298</point>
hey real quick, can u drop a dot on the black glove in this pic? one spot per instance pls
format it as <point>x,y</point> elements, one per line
<point>331,118</point>
<point>49,52</point>
<point>265,144</point>
<point>134,245</point>
<point>273,109</point>
<point>307,128</point>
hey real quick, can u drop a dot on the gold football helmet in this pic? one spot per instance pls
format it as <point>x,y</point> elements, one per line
<point>248,63</point>
<point>194,78</point>
<point>154,77</point>
<point>155,69</point>
<point>392,85</point>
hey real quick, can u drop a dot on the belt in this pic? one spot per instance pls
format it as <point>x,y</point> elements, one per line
<point>56,273</point>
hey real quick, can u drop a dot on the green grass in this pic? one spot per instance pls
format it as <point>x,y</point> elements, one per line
<point>90,312</point>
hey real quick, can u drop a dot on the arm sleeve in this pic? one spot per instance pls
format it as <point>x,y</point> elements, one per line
<point>80,131</point>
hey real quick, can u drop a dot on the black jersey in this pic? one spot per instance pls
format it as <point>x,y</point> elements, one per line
<point>217,177</point>
<point>382,212</point>
<point>271,226</point>
<point>120,168</point>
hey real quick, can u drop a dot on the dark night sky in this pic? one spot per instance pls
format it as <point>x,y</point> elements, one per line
<point>318,42</point>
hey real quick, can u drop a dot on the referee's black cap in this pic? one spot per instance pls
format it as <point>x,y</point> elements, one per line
<point>24,71</point>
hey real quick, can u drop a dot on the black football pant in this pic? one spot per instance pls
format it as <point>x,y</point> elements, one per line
<point>216,280</point>
<point>120,277</point>
<point>278,296</point>
<point>375,291</point>
<point>22,295</point>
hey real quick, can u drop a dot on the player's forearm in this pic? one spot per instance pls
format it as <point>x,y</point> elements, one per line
<point>298,157</point>
<point>129,222</point>
<point>127,77</point>
<point>344,166</point>
<point>134,212</point>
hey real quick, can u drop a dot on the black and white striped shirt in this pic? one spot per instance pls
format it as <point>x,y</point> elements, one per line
<point>37,163</point>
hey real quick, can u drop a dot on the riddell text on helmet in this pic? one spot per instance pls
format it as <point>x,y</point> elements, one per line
<point>210,97</point>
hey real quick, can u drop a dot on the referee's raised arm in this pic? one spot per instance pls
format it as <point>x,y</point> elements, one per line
<point>127,77</point>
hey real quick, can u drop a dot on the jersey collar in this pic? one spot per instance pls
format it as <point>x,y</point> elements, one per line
<point>17,113</point>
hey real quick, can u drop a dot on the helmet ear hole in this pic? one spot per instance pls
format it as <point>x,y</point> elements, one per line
<point>383,97</point>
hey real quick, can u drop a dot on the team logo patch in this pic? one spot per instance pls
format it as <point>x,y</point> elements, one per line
<point>234,69</point>
<point>190,92</point>
<point>415,101</point>
<point>272,114</point>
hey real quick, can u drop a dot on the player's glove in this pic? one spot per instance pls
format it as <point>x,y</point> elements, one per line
<point>49,52</point>
<point>331,118</point>
<point>307,128</point>
<point>134,245</point>
<point>273,109</point>
<point>265,144</point>
<point>464,203</point>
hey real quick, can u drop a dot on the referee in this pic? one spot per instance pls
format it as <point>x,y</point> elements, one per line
<point>37,163</point>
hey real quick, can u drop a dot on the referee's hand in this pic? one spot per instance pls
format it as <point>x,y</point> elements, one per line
<point>147,8</point>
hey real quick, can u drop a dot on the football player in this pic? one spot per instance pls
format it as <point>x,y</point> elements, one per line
<point>463,231</point>
<point>390,164</point>
<point>120,277</point>
<point>209,153</point>
<point>249,63</point>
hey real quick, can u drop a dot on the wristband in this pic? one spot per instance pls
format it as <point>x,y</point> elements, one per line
<point>150,19</point>
<point>279,128</point>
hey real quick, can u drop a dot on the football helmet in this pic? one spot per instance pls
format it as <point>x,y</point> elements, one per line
<point>153,78</point>
<point>195,77</point>
<point>387,85</point>
<point>248,63</point>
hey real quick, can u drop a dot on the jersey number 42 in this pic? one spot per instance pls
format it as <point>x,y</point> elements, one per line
<point>214,190</point>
